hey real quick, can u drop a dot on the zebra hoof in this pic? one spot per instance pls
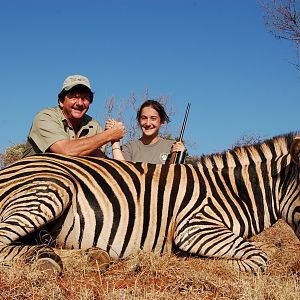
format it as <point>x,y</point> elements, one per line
<point>49,262</point>
<point>49,266</point>
<point>101,257</point>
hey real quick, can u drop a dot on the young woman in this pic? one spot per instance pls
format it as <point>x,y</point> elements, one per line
<point>150,147</point>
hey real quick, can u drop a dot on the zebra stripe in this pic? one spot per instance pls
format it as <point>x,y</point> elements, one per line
<point>208,210</point>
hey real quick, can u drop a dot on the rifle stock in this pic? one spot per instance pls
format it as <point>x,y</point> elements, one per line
<point>178,157</point>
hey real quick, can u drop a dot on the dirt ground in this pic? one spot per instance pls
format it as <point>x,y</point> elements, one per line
<point>150,276</point>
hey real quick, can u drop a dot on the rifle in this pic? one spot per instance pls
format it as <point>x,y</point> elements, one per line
<point>178,157</point>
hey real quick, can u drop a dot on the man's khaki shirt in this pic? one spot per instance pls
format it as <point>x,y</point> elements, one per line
<point>50,126</point>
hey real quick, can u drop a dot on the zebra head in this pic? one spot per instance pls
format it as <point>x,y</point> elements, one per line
<point>295,150</point>
<point>292,201</point>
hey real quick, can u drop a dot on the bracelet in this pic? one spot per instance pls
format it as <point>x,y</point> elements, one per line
<point>116,148</point>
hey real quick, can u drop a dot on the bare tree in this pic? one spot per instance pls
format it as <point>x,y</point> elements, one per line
<point>125,110</point>
<point>246,140</point>
<point>282,18</point>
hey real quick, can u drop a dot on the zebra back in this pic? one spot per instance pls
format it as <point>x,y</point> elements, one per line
<point>122,207</point>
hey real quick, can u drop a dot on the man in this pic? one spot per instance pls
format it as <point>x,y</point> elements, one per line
<point>66,128</point>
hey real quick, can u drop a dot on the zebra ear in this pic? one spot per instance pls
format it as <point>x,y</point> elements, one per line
<point>295,150</point>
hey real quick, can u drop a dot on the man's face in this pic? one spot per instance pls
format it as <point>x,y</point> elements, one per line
<point>75,105</point>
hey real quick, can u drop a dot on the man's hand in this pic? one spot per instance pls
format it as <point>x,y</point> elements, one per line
<point>90,145</point>
<point>117,129</point>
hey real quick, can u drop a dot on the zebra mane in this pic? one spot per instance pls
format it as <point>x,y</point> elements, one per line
<point>280,144</point>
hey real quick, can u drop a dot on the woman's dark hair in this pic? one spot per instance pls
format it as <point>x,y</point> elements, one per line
<point>158,107</point>
<point>76,88</point>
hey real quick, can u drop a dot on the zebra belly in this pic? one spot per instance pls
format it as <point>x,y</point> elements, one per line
<point>120,238</point>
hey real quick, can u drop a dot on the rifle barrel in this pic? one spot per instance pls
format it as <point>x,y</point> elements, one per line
<point>178,157</point>
<point>184,122</point>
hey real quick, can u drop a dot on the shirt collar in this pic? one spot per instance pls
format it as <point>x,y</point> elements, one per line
<point>84,120</point>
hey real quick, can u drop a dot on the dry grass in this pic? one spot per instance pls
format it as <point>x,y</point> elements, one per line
<point>149,276</point>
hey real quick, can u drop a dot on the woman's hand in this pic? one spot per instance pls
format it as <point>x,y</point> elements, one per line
<point>178,147</point>
<point>109,124</point>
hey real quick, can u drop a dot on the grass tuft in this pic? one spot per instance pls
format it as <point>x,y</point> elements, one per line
<point>150,276</point>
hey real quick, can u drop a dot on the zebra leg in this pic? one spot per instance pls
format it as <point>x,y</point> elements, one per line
<point>94,256</point>
<point>25,211</point>
<point>213,239</point>
<point>42,257</point>
<point>101,257</point>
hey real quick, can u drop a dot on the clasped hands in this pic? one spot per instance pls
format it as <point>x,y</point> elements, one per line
<point>118,129</point>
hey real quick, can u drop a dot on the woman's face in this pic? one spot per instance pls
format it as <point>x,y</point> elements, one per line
<point>150,122</point>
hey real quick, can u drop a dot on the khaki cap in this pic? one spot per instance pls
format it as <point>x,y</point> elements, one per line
<point>74,80</point>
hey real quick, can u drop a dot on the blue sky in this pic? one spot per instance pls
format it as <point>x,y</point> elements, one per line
<point>216,54</point>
